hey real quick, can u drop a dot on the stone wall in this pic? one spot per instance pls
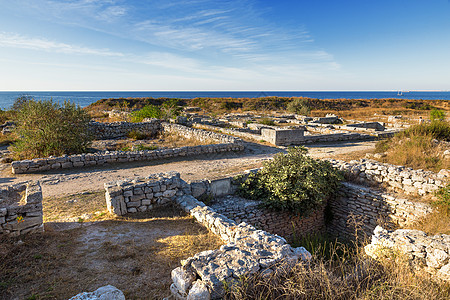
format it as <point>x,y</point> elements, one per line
<point>287,225</point>
<point>401,178</point>
<point>357,210</point>
<point>94,159</point>
<point>307,139</point>
<point>21,209</point>
<point>104,131</point>
<point>141,194</point>
<point>430,253</point>
<point>201,135</point>
<point>247,251</point>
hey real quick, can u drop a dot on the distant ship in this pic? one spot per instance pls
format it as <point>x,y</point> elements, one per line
<point>400,93</point>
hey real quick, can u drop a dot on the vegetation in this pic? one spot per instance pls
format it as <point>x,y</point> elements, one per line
<point>149,111</point>
<point>299,106</point>
<point>418,147</point>
<point>45,128</point>
<point>437,115</point>
<point>168,110</point>
<point>266,121</point>
<point>294,182</point>
<point>340,271</point>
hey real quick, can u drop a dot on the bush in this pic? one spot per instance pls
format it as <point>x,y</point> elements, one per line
<point>299,106</point>
<point>439,130</point>
<point>148,111</point>
<point>294,182</point>
<point>170,109</point>
<point>437,115</point>
<point>45,128</point>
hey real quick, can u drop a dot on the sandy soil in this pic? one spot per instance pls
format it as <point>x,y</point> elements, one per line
<point>207,166</point>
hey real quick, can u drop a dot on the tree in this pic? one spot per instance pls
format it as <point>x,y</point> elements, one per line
<point>46,128</point>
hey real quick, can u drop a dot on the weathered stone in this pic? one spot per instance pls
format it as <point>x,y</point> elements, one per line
<point>108,292</point>
<point>199,291</point>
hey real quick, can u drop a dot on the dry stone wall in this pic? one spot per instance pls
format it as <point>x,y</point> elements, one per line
<point>105,131</point>
<point>247,251</point>
<point>93,159</point>
<point>401,178</point>
<point>357,210</point>
<point>431,253</point>
<point>287,225</point>
<point>21,209</point>
<point>142,194</point>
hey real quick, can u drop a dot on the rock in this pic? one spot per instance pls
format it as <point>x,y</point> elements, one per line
<point>107,292</point>
<point>199,291</point>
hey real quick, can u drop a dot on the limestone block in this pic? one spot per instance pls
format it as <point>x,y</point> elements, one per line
<point>108,292</point>
<point>182,279</point>
<point>444,272</point>
<point>437,258</point>
<point>27,222</point>
<point>169,193</point>
<point>199,291</point>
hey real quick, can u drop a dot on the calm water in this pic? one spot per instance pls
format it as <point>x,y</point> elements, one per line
<point>86,98</point>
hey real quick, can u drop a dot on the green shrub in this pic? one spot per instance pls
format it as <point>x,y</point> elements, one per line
<point>170,109</point>
<point>137,135</point>
<point>293,182</point>
<point>299,106</point>
<point>148,111</point>
<point>437,115</point>
<point>45,128</point>
<point>443,195</point>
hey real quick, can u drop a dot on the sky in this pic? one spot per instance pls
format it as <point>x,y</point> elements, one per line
<point>224,45</point>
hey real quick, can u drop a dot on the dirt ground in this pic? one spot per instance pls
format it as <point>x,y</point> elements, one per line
<point>84,247</point>
<point>209,166</point>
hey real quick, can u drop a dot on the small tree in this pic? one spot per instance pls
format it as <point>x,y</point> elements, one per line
<point>299,106</point>
<point>294,182</point>
<point>45,128</point>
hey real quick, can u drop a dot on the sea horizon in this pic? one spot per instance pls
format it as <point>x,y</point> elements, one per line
<point>84,98</point>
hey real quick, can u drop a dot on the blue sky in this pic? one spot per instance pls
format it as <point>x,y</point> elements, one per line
<point>202,45</point>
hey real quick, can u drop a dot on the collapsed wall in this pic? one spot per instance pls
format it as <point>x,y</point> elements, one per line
<point>430,253</point>
<point>21,209</point>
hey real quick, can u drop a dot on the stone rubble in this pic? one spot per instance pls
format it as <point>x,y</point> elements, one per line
<point>430,253</point>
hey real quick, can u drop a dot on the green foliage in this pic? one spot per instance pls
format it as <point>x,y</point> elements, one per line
<point>266,121</point>
<point>148,111</point>
<point>170,109</point>
<point>382,146</point>
<point>437,115</point>
<point>443,195</point>
<point>293,182</point>
<point>418,105</point>
<point>45,128</point>
<point>299,106</point>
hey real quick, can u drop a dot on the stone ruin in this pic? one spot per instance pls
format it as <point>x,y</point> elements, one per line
<point>21,209</point>
<point>430,253</point>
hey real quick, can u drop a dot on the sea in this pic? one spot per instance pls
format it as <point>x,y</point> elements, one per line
<point>85,98</point>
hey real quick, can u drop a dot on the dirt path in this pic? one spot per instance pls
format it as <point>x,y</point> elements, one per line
<point>210,166</point>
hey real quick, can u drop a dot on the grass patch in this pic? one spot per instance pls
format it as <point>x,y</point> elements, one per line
<point>418,147</point>
<point>134,254</point>
<point>74,206</point>
<point>344,273</point>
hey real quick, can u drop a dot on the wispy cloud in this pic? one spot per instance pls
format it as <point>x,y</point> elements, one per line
<point>14,40</point>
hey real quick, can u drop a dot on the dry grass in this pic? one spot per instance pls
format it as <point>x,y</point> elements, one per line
<point>346,275</point>
<point>437,222</point>
<point>134,254</point>
<point>417,152</point>
<point>76,206</point>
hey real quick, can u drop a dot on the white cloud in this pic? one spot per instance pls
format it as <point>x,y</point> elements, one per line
<point>14,40</point>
